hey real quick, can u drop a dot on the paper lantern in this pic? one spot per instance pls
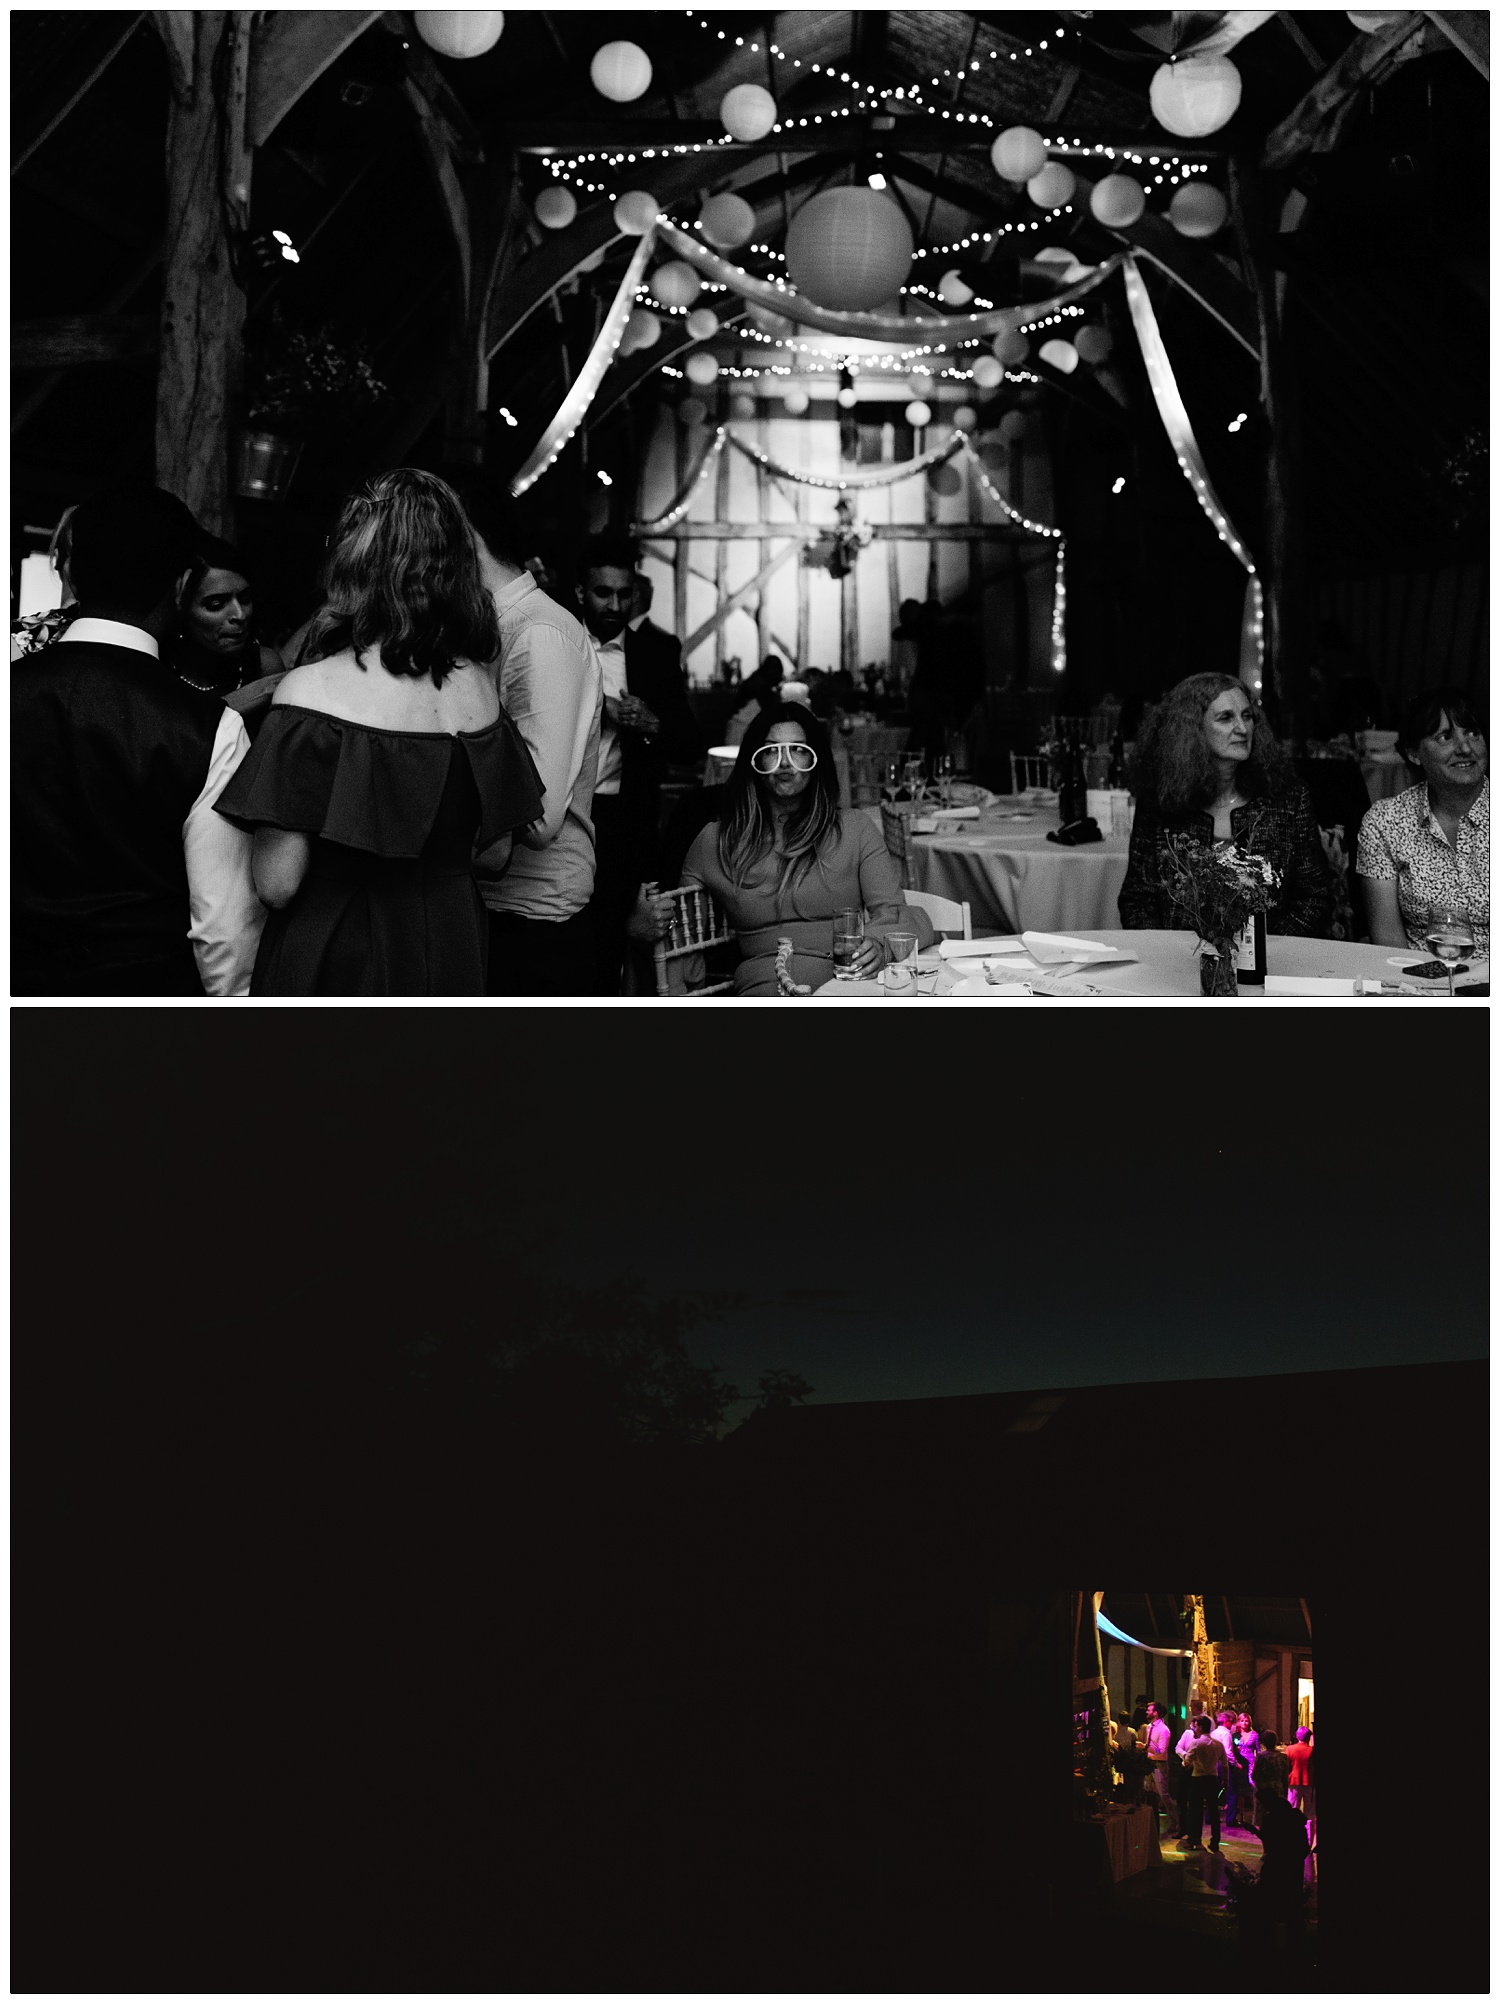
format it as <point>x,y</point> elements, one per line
<point>952,290</point>
<point>1052,254</point>
<point>703,323</point>
<point>848,248</point>
<point>1011,348</point>
<point>747,112</point>
<point>1368,23</point>
<point>945,479</point>
<point>676,284</point>
<point>621,72</point>
<point>1094,344</point>
<point>727,221</point>
<point>1053,187</point>
<point>965,418</point>
<point>701,368</point>
<point>556,208</point>
<point>919,382</point>
<point>1018,153</point>
<point>1117,201</point>
<point>642,330</point>
<point>1196,95</point>
<point>988,372</point>
<point>1062,355</point>
<point>742,406</point>
<point>459,34</point>
<point>1198,210</point>
<point>636,212</point>
<point>796,402</point>
<point>918,414</point>
<point>847,399</point>
<point>692,410</point>
<point>1011,428</point>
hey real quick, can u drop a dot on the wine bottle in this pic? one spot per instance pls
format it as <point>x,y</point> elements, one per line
<point>1250,953</point>
<point>1073,800</point>
<point>1116,774</point>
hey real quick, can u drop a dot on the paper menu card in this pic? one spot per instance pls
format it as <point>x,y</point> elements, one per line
<point>1036,949</point>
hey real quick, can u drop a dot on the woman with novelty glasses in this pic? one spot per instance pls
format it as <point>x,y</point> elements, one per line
<point>783,858</point>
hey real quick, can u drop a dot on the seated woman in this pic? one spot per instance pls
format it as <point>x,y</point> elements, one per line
<point>783,858</point>
<point>1431,844</point>
<point>386,761</point>
<point>1207,764</point>
<point>215,646</point>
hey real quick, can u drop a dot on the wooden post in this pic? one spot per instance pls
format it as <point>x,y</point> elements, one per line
<point>203,308</point>
<point>929,515</point>
<point>682,551</point>
<point>1283,569</point>
<point>849,619</point>
<point>892,555</point>
<point>721,558</point>
<point>763,641</point>
<point>804,626</point>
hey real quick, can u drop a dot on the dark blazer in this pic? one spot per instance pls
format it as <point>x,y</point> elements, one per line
<point>654,672</point>
<point>108,753</point>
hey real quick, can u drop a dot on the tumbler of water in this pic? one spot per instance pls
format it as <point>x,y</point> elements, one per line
<point>848,938</point>
<point>898,979</point>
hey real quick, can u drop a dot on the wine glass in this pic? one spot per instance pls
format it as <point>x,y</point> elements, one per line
<point>1448,935</point>
<point>944,766</point>
<point>899,976</point>
<point>848,938</point>
<point>890,785</point>
<point>914,775</point>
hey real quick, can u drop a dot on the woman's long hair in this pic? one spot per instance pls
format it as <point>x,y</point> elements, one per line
<point>402,575</point>
<point>747,827</point>
<point>1172,764</point>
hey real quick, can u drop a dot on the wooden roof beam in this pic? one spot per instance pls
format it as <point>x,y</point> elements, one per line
<point>1313,124</point>
<point>291,50</point>
<point>45,117</point>
<point>1469,33</point>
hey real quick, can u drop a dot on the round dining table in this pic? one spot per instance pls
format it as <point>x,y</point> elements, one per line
<point>1165,965</point>
<point>1013,879</point>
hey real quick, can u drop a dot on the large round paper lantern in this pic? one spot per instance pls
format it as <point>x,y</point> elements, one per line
<point>1011,428</point>
<point>461,33</point>
<point>1062,355</point>
<point>795,402</point>
<point>919,382</point>
<point>642,330</point>
<point>1094,344</point>
<point>727,221</point>
<point>918,414</point>
<point>747,112</point>
<point>848,248</point>
<point>1198,210</point>
<point>988,372</point>
<point>1053,188</point>
<point>692,410</point>
<point>965,418</point>
<point>556,208</point>
<point>953,291</point>
<point>636,212</point>
<point>1018,153</point>
<point>1011,348</point>
<point>742,405</point>
<point>621,72</point>
<point>701,368</point>
<point>703,323</point>
<point>1117,201</point>
<point>1196,95</point>
<point>945,479</point>
<point>847,398</point>
<point>676,284</point>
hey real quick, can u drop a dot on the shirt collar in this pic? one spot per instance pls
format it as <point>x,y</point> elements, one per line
<point>114,633</point>
<point>1481,800</point>
<point>511,594</point>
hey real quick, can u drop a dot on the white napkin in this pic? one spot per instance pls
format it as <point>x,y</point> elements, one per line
<point>1310,984</point>
<point>970,949</point>
<point>977,985</point>
<point>958,814</point>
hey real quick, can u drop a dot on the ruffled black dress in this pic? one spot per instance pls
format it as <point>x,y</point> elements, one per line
<point>389,905</point>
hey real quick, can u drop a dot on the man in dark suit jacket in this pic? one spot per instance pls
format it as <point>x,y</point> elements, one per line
<point>647,725</point>
<point>114,758</point>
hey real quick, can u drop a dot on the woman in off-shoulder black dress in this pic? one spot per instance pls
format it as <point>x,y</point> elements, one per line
<point>386,765</point>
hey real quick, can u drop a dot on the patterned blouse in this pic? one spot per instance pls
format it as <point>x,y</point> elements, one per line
<point>1281,829</point>
<point>1401,838</point>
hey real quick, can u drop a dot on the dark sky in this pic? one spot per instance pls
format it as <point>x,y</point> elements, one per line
<point>976,1202</point>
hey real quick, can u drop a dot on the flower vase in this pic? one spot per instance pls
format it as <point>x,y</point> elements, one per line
<point>1216,970</point>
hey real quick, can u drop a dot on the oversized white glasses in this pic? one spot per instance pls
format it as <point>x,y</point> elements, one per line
<point>801,758</point>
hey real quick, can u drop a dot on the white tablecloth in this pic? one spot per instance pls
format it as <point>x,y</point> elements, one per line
<point>1015,879</point>
<point>1167,965</point>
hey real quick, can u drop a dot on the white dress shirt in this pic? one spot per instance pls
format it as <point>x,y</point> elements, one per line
<point>227,916</point>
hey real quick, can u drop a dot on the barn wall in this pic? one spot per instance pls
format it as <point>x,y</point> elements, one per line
<point>1415,628</point>
<point>987,577</point>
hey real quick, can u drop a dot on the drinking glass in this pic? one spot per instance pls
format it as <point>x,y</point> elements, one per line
<point>890,785</point>
<point>1449,936</point>
<point>914,776</point>
<point>848,938</point>
<point>944,765</point>
<point>898,978</point>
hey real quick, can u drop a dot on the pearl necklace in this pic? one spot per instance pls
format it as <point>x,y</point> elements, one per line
<point>203,688</point>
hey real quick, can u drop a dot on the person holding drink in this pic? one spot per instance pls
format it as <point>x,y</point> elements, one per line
<point>786,862</point>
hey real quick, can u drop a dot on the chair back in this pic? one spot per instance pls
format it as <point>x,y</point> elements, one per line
<point>696,924</point>
<point>947,914</point>
<point>895,824</point>
<point>1031,772</point>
